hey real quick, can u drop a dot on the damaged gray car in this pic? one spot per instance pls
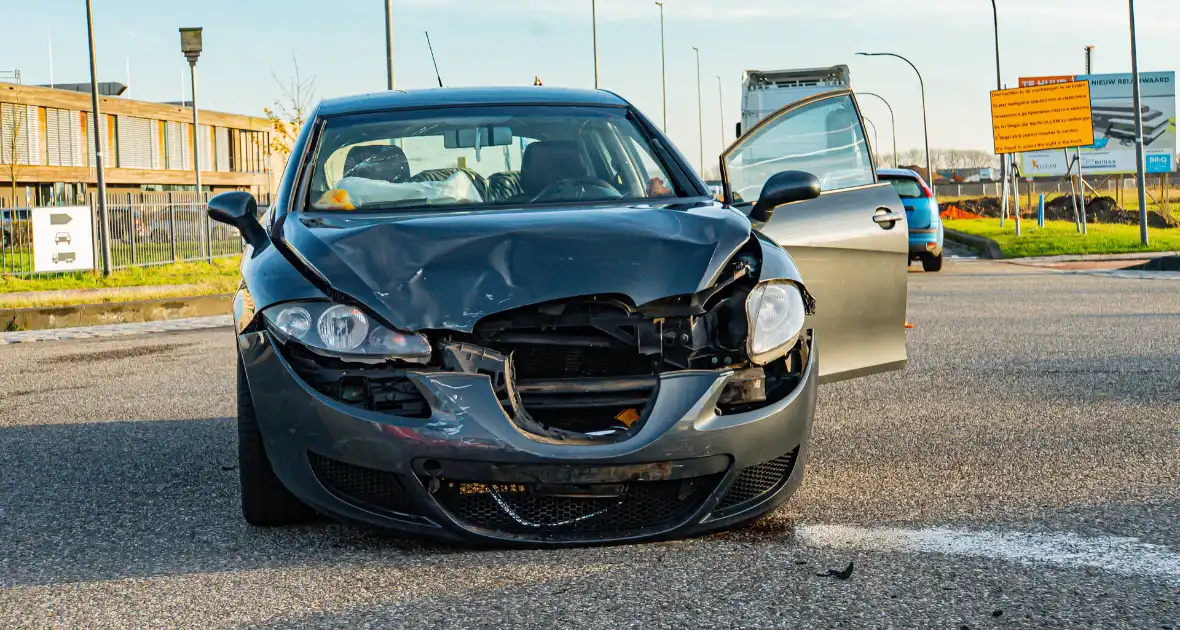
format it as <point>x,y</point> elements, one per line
<point>518,316</point>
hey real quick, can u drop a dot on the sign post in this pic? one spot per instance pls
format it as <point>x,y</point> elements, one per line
<point>63,239</point>
<point>1039,118</point>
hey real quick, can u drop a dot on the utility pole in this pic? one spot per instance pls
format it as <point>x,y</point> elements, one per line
<point>721,110</point>
<point>663,65</point>
<point>190,45</point>
<point>700,113</point>
<point>892,122</point>
<point>1137,96</point>
<point>594,26</point>
<point>104,224</point>
<point>389,43</point>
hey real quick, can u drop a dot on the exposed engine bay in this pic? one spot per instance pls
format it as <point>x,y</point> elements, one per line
<point>583,368</point>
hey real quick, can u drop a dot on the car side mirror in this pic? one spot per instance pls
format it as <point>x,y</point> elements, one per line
<point>783,188</point>
<point>240,210</point>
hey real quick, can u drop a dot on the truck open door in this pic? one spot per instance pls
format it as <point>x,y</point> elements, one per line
<point>850,243</point>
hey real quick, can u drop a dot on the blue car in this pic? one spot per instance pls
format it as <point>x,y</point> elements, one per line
<point>922,216</point>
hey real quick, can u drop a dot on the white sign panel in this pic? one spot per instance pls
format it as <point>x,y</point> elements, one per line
<point>62,239</point>
<point>1113,150</point>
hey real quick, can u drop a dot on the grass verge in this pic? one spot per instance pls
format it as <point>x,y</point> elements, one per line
<point>139,283</point>
<point>1059,238</point>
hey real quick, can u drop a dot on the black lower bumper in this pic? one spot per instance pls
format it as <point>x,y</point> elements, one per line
<point>468,473</point>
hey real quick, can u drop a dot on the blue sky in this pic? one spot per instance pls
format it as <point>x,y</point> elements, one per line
<point>489,42</point>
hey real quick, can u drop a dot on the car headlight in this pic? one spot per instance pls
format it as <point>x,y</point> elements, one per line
<point>776,313</point>
<point>343,330</point>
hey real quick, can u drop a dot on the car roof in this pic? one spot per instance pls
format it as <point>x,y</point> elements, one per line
<point>474,96</point>
<point>899,172</point>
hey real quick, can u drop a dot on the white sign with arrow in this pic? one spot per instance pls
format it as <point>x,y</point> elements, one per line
<point>63,239</point>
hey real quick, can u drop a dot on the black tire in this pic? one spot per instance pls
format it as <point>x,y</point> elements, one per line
<point>266,502</point>
<point>932,263</point>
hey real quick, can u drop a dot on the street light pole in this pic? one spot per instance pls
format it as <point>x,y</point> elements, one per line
<point>1137,97</point>
<point>389,43</point>
<point>104,229</point>
<point>663,65</point>
<point>876,138</point>
<point>721,110</point>
<point>700,113</point>
<point>892,121</point>
<point>594,26</point>
<point>925,126</point>
<point>190,45</point>
<point>999,86</point>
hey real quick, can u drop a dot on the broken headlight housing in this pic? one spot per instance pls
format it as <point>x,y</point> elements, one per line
<point>775,312</point>
<point>343,330</point>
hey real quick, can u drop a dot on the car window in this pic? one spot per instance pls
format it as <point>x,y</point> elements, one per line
<point>484,156</point>
<point>823,138</point>
<point>906,188</point>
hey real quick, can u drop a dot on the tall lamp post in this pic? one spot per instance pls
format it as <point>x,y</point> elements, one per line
<point>663,65</point>
<point>876,146</point>
<point>999,86</point>
<point>892,121</point>
<point>594,26</point>
<point>1137,96</point>
<point>700,113</point>
<point>925,126</point>
<point>96,115</point>
<point>721,110</point>
<point>190,45</point>
<point>389,44</point>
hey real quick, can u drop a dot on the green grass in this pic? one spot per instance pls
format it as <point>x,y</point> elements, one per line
<point>219,276</point>
<point>1059,238</point>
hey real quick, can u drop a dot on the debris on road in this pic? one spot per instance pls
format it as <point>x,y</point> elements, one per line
<point>839,575</point>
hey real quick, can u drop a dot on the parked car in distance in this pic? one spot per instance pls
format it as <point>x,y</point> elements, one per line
<point>519,316</point>
<point>922,214</point>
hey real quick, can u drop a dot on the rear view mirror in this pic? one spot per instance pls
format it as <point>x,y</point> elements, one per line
<point>783,188</point>
<point>477,137</point>
<point>240,210</point>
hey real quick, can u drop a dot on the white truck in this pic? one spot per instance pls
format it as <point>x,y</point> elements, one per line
<point>765,91</point>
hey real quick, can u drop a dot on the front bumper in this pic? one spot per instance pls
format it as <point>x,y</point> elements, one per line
<point>462,473</point>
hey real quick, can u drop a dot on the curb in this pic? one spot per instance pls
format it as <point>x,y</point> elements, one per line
<point>985,246</point>
<point>138,311</point>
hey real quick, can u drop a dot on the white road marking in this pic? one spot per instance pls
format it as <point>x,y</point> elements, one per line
<point>1120,555</point>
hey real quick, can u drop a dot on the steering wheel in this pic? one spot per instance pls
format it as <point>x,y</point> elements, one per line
<point>577,189</point>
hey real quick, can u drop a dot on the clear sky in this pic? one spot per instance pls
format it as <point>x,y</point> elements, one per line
<point>490,42</point>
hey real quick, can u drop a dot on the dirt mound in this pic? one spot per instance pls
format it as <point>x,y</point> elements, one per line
<point>1098,210</point>
<point>953,211</point>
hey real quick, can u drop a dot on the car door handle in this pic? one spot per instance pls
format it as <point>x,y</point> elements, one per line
<point>887,218</point>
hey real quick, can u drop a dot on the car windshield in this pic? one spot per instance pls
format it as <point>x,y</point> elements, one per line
<point>485,156</point>
<point>906,188</point>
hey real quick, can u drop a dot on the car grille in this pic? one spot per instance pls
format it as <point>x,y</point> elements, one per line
<point>363,486</point>
<point>560,361</point>
<point>527,510</point>
<point>757,482</point>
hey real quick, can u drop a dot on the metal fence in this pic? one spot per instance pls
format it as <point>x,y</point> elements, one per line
<point>145,228</point>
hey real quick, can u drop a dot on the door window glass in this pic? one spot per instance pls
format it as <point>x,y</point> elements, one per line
<point>823,138</point>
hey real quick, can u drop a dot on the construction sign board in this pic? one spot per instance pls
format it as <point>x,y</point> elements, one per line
<point>1112,110</point>
<point>1038,118</point>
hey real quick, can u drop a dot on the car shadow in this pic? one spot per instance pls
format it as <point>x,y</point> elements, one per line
<point>110,500</point>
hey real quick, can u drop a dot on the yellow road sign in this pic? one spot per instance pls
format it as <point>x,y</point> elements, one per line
<point>1042,117</point>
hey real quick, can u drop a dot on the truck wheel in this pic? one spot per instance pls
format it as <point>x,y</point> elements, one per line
<point>932,263</point>
<point>266,502</point>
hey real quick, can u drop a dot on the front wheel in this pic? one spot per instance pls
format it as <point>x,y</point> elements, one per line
<point>932,263</point>
<point>266,502</point>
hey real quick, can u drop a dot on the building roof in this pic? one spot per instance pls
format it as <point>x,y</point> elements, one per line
<point>440,97</point>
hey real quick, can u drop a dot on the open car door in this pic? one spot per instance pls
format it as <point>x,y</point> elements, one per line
<point>850,243</point>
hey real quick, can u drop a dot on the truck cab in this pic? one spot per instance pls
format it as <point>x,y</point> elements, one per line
<point>766,91</point>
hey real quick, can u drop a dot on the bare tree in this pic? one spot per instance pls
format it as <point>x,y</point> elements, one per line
<point>13,139</point>
<point>290,110</point>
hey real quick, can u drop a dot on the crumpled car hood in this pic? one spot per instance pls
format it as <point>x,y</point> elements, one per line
<point>447,270</point>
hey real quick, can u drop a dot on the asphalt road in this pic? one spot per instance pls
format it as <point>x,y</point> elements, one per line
<point>1023,471</point>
